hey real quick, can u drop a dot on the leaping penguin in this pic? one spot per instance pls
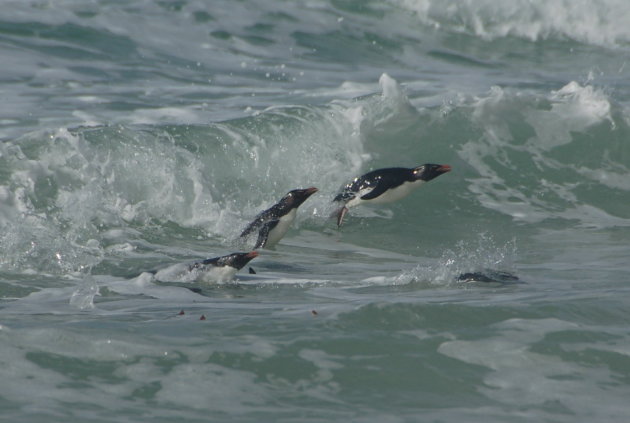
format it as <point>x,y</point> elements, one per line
<point>217,269</point>
<point>385,186</point>
<point>273,223</point>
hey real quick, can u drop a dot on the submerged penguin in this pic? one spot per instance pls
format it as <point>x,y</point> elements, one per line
<point>216,269</point>
<point>273,223</point>
<point>385,186</point>
<point>489,275</point>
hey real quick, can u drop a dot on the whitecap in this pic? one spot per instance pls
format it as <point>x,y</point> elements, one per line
<point>574,108</point>
<point>601,22</point>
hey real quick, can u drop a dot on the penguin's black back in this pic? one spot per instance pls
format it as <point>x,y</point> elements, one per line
<point>268,219</point>
<point>265,218</point>
<point>383,178</point>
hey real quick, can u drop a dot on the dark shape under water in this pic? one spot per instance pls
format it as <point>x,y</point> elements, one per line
<point>489,275</point>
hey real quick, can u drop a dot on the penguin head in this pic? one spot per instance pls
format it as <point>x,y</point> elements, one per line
<point>429,171</point>
<point>236,260</point>
<point>295,198</point>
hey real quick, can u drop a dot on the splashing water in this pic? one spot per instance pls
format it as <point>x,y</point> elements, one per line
<point>482,255</point>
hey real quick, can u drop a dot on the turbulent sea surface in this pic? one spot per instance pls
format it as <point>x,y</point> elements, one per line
<point>135,135</point>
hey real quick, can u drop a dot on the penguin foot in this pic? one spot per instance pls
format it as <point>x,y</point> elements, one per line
<point>340,215</point>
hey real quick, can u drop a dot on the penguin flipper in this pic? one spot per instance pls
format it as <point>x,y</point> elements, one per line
<point>376,192</point>
<point>345,196</point>
<point>262,219</point>
<point>263,233</point>
<point>249,229</point>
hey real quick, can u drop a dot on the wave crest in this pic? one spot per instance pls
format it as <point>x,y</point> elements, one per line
<point>602,22</point>
<point>550,157</point>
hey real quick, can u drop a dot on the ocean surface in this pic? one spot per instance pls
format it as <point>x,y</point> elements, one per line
<point>135,135</point>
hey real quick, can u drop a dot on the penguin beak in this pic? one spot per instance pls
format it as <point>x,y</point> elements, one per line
<point>444,169</point>
<point>310,191</point>
<point>251,255</point>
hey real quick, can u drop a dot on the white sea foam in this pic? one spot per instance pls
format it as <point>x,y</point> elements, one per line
<point>35,359</point>
<point>612,179</point>
<point>144,284</point>
<point>545,184</point>
<point>574,108</point>
<point>207,385</point>
<point>181,115</point>
<point>481,256</point>
<point>601,22</point>
<point>137,176</point>
<point>526,376</point>
<point>228,108</point>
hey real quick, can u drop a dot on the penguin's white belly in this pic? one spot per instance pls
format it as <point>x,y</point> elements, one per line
<point>389,196</point>
<point>281,228</point>
<point>213,274</point>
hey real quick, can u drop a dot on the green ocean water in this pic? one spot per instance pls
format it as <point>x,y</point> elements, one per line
<point>139,135</point>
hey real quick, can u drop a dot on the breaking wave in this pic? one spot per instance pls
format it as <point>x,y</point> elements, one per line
<point>602,22</point>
